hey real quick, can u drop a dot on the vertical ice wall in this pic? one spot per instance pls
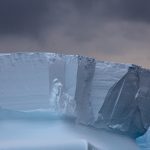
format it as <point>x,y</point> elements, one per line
<point>105,76</point>
<point>126,106</point>
<point>38,81</point>
<point>62,82</point>
<point>24,81</point>
<point>86,69</point>
<point>97,93</point>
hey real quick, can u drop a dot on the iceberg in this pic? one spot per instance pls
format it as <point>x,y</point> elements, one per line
<point>96,94</point>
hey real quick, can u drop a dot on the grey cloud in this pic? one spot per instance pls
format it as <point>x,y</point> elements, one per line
<point>133,10</point>
<point>31,16</point>
<point>26,17</point>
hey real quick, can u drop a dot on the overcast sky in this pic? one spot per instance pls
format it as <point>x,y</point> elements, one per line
<point>112,30</point>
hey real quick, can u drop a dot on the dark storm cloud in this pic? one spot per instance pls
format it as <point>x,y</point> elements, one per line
<point>29,17</point>
<point>23,16</point>
<point>135,10</point>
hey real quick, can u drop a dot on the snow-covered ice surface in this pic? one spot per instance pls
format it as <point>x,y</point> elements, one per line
<point>56,101</point>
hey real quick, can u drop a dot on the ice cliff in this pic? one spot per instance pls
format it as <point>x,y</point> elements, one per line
<point>97,93</point>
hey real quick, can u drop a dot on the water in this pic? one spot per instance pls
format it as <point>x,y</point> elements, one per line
<point>58,133</point>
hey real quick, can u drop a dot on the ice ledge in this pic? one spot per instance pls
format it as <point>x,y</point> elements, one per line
<point>98,93</point>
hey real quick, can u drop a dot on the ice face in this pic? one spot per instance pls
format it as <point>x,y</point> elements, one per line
<point>86,67</point>
<point>99,94</point>
<point>62,82</point>
<point>105,76</point>
<point>28,79</point>
<point>24,81</point>
<point>60,101</point>
<point>126,106</point>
